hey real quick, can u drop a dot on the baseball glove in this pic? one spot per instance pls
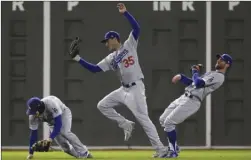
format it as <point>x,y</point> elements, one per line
<point>74,48</point>
<point>41,146</point>
<point>197,67</point>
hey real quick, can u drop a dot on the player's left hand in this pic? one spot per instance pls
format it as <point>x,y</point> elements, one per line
<point>74,48</point>
<point>47,143</point>
<point>42,146</point>
<point>196,67</point>
<point>49,140</point>
<point>121,7</point>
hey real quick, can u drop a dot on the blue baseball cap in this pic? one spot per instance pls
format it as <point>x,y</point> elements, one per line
<point>109,35</point>
<point>33,105</point>
<point>225,57</point>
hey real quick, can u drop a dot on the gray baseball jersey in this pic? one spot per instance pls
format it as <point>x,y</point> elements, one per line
<point>53,108</point>
<point>124,62</point>
<point>213,80</point>
<point>65,139</point>
<point>184,106</point>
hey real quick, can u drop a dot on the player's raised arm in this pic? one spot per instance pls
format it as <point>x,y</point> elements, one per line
<point>89,66</point>
<point>74,53</point>
<point>198,82</point>
<point>131,19</point>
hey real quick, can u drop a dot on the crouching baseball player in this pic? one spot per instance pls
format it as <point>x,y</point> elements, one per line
<point>58,116</point>
<point>189,103</point>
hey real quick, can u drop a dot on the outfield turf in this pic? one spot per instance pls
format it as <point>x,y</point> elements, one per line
<point>137,155</point>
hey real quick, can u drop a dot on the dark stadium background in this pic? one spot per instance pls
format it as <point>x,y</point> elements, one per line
<point>170,42</point>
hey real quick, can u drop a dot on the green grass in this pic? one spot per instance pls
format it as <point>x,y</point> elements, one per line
<point>137,155</point>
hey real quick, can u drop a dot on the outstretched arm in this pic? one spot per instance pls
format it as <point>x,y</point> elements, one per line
<point>74,53</point>
<point>131,19</point>
<point>89,66</point>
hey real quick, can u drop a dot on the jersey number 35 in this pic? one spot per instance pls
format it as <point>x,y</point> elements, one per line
<point>128,61</point>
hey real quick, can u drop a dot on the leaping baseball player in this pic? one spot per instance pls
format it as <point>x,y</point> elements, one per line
<point>52,110</point>
<point>123,59</point>
<point>189,103</point>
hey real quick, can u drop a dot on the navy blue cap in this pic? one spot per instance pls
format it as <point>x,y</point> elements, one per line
<point>109,35</point>
<point>226,57</point>
<point>33,104</point>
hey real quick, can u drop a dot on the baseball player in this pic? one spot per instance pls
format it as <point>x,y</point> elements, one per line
<point>189,103</point>
<point>123,59</point>
<point>52,110</point>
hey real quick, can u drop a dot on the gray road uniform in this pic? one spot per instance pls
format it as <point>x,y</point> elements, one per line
<point>67,140</point>
<point>132,92</point>
<point>189,102</point>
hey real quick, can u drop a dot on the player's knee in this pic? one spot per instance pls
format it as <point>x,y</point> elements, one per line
<point>100,105</point>
<point>65,133</point>
<point>161,121</point>
<point>169,125</point>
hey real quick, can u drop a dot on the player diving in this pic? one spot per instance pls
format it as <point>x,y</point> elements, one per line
<point>123,60</point>
<point>52,110</point>
<point>198,87</point>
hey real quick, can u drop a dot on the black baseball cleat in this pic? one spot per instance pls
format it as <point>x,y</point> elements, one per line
<point>87,154</point>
